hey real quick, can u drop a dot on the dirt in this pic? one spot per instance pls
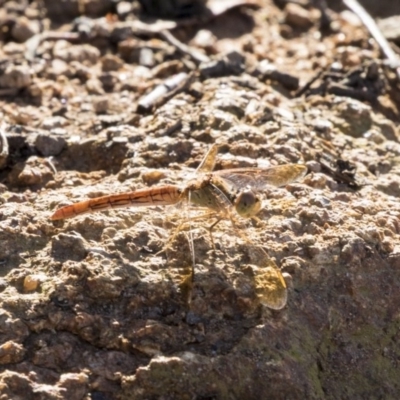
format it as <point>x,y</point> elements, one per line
<point>101,306</point>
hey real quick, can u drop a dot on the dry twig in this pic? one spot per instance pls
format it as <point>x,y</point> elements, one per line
<point>196,55</point>
<point>3,146</point>
<point>371,25</point>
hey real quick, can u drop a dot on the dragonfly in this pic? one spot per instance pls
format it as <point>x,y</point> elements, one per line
<point>226,194</point>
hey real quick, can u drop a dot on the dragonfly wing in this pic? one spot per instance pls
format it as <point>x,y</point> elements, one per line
<point>213,198</point>
<point>260,178</point>
<point>208,162</point>
<point>270,286</point>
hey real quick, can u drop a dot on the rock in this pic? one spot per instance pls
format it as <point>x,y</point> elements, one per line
<point>32,282</point>
<point>75,385</point>
<point>48,145</point>
<point>54,122</point>
<point>390,28</point>
<point>123,9</point>
<point>62,10</point>
<point>84,53</point>
<point>33,172</point>
<point>68,247</point>
<point>120,304</point>
<point>24,29</point>
<point>16,77</point>
<point>59,67</point>
<point>11,352</point>
<point>15,385</point>
<point>297,16</point>
<point>110,62</point>
<point>101,105</point>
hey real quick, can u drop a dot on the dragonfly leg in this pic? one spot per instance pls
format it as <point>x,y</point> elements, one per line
<point>210,230</point>
<point>171,238</point>
<point>186,224</point>
<point>256,220</point>
<point>186,287</point>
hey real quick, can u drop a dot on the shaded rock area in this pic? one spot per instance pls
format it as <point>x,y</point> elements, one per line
<point>102,97</point>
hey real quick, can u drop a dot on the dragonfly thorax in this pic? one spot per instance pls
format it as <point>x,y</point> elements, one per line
<point>247,203</point>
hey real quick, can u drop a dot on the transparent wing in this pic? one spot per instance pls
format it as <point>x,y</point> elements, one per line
<point>208,162</point>
<point>255,178</point>
<point>269,284</point>
<point>259,178</point>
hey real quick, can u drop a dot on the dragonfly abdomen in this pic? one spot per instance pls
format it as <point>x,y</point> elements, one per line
<point>162,195</point>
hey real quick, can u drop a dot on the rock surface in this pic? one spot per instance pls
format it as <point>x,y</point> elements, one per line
<point>100,306</point>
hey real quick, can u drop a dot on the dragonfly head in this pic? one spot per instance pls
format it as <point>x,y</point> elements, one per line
<point>247,203</point>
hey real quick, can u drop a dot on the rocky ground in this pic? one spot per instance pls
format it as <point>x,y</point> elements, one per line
<point>99,97</point>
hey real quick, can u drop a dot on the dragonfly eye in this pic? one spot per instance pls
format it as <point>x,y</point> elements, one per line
<point>247,203</point>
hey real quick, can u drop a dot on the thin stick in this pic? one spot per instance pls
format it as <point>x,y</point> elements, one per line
<point>372,27</point>
<point>196,55</point>
<point>3,146</point>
